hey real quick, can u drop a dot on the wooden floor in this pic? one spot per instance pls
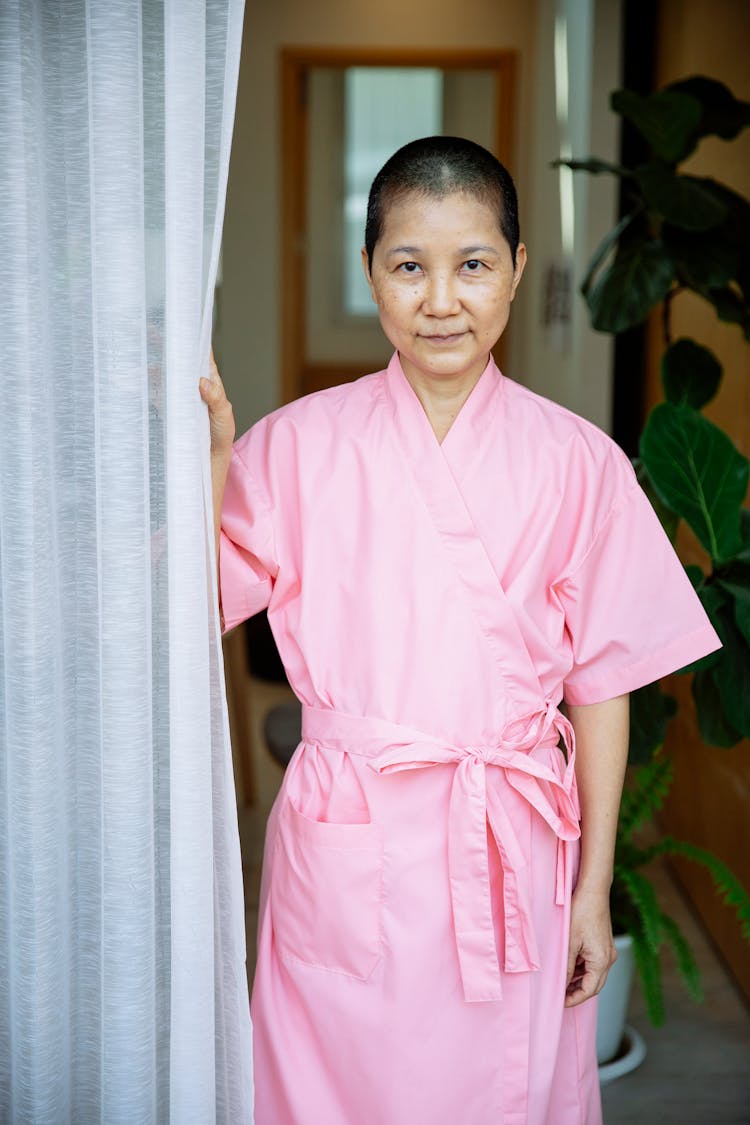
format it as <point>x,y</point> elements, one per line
<point>697,1069</point>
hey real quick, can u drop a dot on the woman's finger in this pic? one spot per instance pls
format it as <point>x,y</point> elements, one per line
<point>220,411</point>
<point>211,386</point>
<point>586,981</point>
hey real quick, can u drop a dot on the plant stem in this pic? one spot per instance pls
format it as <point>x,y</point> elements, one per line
<point>666,319</point>
<point>666,314</point>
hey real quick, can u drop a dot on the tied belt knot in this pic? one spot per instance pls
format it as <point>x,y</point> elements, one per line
<point>481,753</point>
<point>390,747</point>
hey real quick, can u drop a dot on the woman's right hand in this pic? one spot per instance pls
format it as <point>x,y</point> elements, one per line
<point>220,413</point>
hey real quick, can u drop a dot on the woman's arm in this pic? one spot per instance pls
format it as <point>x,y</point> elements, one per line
<point>601,731</point>
<point>221,418</point>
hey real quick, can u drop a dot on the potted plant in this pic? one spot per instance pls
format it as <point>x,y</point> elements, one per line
<point>681,233</point>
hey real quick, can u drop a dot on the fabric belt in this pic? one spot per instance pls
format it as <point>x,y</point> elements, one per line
<point>390,747</point>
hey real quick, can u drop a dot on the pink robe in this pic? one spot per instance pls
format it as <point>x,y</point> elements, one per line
<point>433,604</point>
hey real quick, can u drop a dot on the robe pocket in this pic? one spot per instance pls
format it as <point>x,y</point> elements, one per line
<point>326,893</point>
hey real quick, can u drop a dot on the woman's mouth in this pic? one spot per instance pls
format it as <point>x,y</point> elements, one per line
<point>444,341</point>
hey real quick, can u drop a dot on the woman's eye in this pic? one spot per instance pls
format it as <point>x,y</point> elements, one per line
<point>409,267</point>
<point>473,265</point>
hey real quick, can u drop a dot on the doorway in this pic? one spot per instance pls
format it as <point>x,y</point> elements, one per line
<point>343,112</point>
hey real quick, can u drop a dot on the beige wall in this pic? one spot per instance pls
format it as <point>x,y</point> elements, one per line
<point>247,333</point>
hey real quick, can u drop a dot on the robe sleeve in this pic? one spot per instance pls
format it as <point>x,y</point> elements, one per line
<point>631,613</point>
<point>247,553</point>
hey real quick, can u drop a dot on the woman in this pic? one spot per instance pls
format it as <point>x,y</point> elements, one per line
<point>445,558</point>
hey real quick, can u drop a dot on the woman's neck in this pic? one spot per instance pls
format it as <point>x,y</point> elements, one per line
<point>442,399</point>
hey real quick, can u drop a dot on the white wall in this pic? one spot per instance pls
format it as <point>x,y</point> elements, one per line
<point>571,364</point>
<point>247,332</point>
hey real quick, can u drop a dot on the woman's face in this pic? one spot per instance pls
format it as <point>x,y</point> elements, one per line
<point>443,280</point>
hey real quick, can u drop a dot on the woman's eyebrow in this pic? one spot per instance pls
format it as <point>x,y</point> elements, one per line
<point>479,250</point>
<point>464,250</point>
<point>404,250</point>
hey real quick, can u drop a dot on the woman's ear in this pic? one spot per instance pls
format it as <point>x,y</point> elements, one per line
<point>368,275</point>
<point>519,267</point>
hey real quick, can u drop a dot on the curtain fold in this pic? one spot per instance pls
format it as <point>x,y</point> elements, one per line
<point>123,995</point>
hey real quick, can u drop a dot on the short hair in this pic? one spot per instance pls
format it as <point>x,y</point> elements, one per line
<point>440,166</point>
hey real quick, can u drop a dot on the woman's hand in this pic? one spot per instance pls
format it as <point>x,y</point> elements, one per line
<point>220,413</point>
<point>221,418</point>
<point>601,731</point>
<point>591,952</point>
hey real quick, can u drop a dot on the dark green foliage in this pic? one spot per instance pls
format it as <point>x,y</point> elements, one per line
<point>740,593</point>
<point>668,120</point>
<point>682,201</point>
<point>681,232</point>
<point>698,473</point>
<point>713,724</point>
<point>692,232</point>
<point>731,671</point>
<point>650,711</point>
<point>635,906</point>
<point>669,520</point>
<point>690,374</point>
<point>702,262</point>
<point>643,799</point>
<point>721,113</point>
<point>639,278</point>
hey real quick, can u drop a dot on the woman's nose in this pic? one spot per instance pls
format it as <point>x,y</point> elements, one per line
<point>441,296</point>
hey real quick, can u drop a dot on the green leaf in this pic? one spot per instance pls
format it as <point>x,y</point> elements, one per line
<point>731,307</point>
<point>731,672</point>
<point>685,201</point>
<point>744,554</point>
<point>728,887</point>
<point>690,373</point>
<point>668,120</point>
<point>712,599</point>
<point>643,897</point>
<point>650,711</point>
<point>639,278</point>
<point>605,246</point>
<point>735,230</point>
<point>715,729</point>
<point>696,575</point>
<point>649,970</point>
<point>740,595</point>
<point>702,261</point>
<point>697,472</point>
<point>668,519</point>
<point>722,113</point>
<point>686,963</point>
<point>593,165</point>
<point>644,795</point>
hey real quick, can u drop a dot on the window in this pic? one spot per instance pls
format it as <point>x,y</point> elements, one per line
<point>384,108</point>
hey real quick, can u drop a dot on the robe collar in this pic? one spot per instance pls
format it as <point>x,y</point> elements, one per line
<point>472,422</point>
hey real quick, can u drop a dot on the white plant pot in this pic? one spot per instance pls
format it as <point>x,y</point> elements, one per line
<point>619,1049</point>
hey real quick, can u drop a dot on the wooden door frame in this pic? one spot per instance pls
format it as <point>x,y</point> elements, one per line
<point>295,63</point>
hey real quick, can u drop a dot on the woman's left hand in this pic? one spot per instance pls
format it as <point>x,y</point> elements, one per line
<point>591,952</point>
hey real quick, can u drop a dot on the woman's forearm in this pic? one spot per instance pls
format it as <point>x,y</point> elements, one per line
<point>219,471</point>
<point>602,731</point>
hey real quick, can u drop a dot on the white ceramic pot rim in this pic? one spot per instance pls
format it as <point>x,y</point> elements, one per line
<point>632,1057</point>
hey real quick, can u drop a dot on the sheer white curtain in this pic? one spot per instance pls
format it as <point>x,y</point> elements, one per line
<point>123,996</point>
